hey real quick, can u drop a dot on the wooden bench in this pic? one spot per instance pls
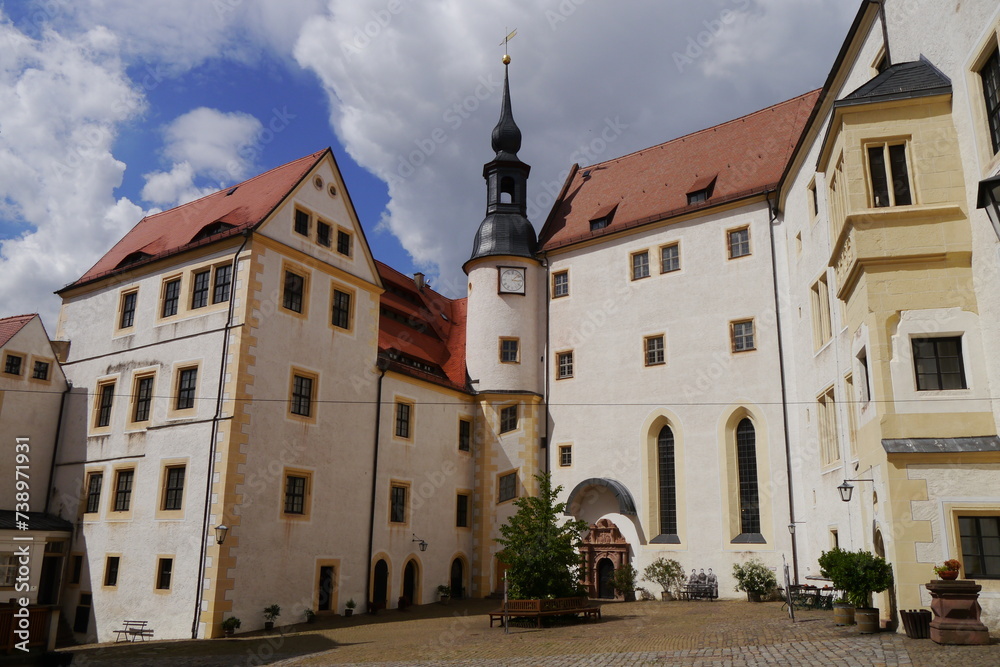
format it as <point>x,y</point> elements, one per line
<point>133,631</point>
<point>697,592</point>
<point>538,608</point>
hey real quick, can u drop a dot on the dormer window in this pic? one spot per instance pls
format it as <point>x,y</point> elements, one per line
<point>211,229</point>
<point>133,258</point>
<point>702,189</point>
<point>604,216</point>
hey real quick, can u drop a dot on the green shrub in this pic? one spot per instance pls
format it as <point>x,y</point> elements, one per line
<point>624,579</point>
<point>666,572</point>
<point>754,577</point>
<point>857,573</point>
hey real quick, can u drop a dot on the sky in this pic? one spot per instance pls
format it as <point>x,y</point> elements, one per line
<point>114,109</point>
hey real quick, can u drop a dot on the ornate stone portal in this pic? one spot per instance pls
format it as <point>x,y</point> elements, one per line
<point>604,551</point>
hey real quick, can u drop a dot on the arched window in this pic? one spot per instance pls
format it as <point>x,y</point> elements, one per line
<point>746,461</point>
<point>667,481</point>
<point>506,190</point>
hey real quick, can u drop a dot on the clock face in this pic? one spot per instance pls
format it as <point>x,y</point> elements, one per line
<point>512,281</point>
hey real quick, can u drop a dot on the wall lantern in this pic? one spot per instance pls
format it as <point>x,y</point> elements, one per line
<point>421,543</point>
<point>989,198</point>
<point>791,526</point>
<point>847,489</point>
<point>220,533</point>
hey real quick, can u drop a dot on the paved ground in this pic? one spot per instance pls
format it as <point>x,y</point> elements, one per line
<point>699,633</point>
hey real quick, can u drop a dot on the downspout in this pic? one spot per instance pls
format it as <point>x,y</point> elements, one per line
<point>199,596</point>
<point>772,217</point>
<point>383,365</point>
<point>885,30</point>
<point>545,363</point>
<point>55,445</point>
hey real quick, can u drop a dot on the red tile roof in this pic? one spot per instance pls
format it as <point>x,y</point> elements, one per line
<point>432,335</point>
<point>244,206</point>
<point>748,154</point>
<point>9,326</point>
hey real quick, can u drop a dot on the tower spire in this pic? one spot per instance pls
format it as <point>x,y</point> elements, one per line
<point>506,139</point>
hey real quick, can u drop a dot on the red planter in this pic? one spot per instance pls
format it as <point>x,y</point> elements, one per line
<point>949,575</point>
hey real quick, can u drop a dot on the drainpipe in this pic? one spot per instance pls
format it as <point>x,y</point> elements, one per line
<point>772,217</point>
<point>55,445</point>
<point>885,30</point>
<point>199,596</point>
<point>383,365</point>
<point>546,361</point>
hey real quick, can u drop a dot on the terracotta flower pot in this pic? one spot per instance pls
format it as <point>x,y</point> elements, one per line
<point>949,575</point>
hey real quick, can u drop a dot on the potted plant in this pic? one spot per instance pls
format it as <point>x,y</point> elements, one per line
<point>349,607</point>
<point>755,578</point>
<point>666,572</point>
<point>444,594</point>
<point>624,580</point>
<point>270,613</point>
<point>859,574</point>
<point>310,616</point>
<point>831,566</point>
<point>948,570</point>
<point>231,625</point>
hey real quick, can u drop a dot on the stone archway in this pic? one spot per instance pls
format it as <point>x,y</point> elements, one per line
<point>604,541</point>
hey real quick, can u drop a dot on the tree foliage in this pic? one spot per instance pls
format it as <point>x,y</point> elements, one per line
<point>666,572</point>
<point>754,577</point>
<point>857,573</point>
<point>540,550</point>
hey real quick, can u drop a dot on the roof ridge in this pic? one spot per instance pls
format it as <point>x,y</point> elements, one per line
<point>14,317</point>
<point>408,279</point>
<point>777,105</point>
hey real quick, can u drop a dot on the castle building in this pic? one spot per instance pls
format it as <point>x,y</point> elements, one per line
<point>708,344</point>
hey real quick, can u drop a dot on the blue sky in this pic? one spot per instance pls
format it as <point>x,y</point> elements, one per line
<point>111,109</point>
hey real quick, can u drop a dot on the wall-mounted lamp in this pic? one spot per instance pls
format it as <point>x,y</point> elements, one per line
<point>847,489</point>
<point>989,198</point>
<point>791,527</point>
<point>422,544</point>
<point>220,533</point>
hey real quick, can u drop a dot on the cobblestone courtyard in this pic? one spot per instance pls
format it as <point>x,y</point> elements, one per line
<point>638,633</point>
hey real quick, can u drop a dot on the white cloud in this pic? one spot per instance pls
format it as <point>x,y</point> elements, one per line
<point>64,100</point>
<point>204,144</point>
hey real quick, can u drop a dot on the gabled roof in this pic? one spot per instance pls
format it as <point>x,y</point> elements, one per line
<point>748,154</point>
<point>242,206</point>
<point>422,331</point>
<point>9,326</point>
<point>902,81</point>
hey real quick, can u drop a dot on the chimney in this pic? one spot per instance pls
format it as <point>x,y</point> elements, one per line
<point>418,278</point>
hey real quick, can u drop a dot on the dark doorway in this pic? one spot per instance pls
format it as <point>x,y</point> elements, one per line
<point>48,586</point>
<point>325,587</point>
<point>457,590</point>
<point>380,592</point>
<point>81,621</point>
<point>410,583</point>
<point>605,571</point>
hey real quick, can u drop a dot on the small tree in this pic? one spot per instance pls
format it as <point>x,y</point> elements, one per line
<point>754,577</point>
<point>857,573</point>
<point>666,572</point>
<point>624,580</point>
<point>541,551</point>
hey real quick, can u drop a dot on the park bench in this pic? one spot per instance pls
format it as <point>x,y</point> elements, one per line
<point>133,631</point>
<point>697,592</point>
<point>538,608</point>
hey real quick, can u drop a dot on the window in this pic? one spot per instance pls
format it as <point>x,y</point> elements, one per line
<point>123,490</point>
<point>76,570</point>
<point>564,361</point>
<point>173,490</point>
<point>462,510</point>
<point>341,309</point>
<point>600,223</point>
<point>508,418</point>
<point>397,500</point>
<point>980,536</point>
<point>127,317</point>
<point>640,265</point>
<point>990,74</point>
<point>565,456</point>
<point>742,335</point>
<point>813,201</point>
<point>343,243</point>
<point>94,492</point>
<point>507,485</point>
<point>171,297</point>
<point>826,409</point>
<point>294,289</point>
<point>893,155</point>
<point>667,481</point>
<point>852,414</point>
<point>822,324</point>
<point>142,398</point>
<point>746,461</point>
<point>324,234</point>
<point>302,392</point>
<point>403,411</point>
<point>509,350</point>
<point>865,387</point>
<point>560,284</point>
<point>187,383</point>
<point>223,283</point>
<point>164,567</point>
<point>464,435</point>
<point>199,295</point>
<point>111,571</point>
<point>105,398</point>
<point>695,197</point>
<point>8,570</point>
<point>40,370</point>
<point>739,243</point>
<point>670,258</point>
<point>301,222</point>
<point>295,494</point>
<point>938,363</point>
<point>12,364</point>
<point>655,350</point>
